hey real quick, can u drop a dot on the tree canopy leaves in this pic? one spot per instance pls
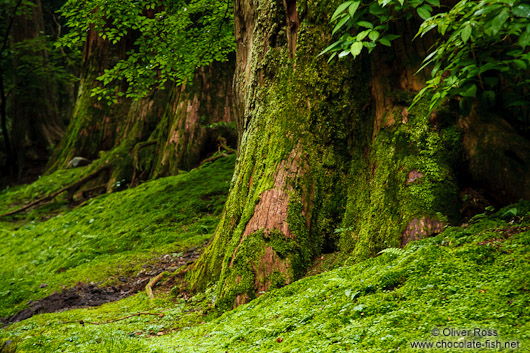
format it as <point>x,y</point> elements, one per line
<point>481,51</point>
<point>171,39</point>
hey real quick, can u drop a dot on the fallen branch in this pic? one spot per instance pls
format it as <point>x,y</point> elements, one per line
<point>82,322</point>
<point>70,188</point>
<point>151,284</point>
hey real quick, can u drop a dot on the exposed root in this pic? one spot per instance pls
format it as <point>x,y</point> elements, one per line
<point>223,144</point>
<point>227,151</point>
<point>152,282</point>
<point>214,158</point>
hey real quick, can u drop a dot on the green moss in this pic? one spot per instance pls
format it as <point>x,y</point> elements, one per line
<point>303,115</point>
<point>382,199</point>
<point>464,278</point>
<point>112,234</point>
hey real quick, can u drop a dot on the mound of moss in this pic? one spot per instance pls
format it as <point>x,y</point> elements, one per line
<point>467,278</point>
<point>110,235</point>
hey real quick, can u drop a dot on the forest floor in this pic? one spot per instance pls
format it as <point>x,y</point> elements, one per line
<point>95,260</point>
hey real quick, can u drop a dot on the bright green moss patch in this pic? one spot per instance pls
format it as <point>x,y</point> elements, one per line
<point>111,235</point>
<point>148,319</point>
<point>464,278</point>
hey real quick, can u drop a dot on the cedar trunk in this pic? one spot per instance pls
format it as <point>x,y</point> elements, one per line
<point>170,130</point>
<point>330,156</point>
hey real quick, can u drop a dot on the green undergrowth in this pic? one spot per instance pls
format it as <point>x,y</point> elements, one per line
<point>477,276</point>
<point>111,235</point>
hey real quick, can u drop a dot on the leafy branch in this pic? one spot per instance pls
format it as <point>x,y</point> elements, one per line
<point>171,39</point>
<point>482,50</point>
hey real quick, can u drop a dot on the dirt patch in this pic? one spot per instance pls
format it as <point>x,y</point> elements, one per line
<point>90,294</point>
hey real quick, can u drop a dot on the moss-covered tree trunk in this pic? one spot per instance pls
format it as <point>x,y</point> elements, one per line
<point>37,125</point>
<point>169,130</point>
<point>330,157</point>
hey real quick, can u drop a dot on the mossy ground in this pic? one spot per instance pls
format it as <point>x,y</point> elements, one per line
<point>111,235</point>
<point>12,198</point>
<point>470,277</point>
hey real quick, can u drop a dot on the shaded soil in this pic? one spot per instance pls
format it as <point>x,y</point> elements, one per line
<point>90,294</point>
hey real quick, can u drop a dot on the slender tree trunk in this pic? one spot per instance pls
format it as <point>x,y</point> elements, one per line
<point>37,125</point>
<point>11,157</point>
<point>11,165</point>
<point>330,158</point>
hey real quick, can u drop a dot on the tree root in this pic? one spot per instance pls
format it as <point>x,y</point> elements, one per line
<point>222,144</point>
<point>71,189</point>
<point>82,322</point>
<point>214,158</point>
<point>151,284</point>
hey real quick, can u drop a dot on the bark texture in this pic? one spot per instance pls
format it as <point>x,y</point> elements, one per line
<point>330,158</point>
<point>171,130</point>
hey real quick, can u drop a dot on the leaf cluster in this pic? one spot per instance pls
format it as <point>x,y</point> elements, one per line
<point>28,61</point>
<point>170,39</point>
<point>365,24</point>
<point>482,50</point>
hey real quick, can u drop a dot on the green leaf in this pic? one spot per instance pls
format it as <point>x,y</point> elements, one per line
<point>365,24</point>
<point>499,20</point>
<point>340,24</point>
<point>369,45</point>
<point>340,9</point>
<point>376,9</point>
<point>518,103</point>
<point>442,27</point>
<point>374,35</point>
<point>344,53</point>
<point>332,57</point>
<point>469,91</point>
<point>356,48</point>
<point>520,64</point>
<point>353,8</point>
<point>524,39</point>
<point>522,10</point>
<point>434,2</point>
<point>385,41</point>
<point>466,33</point>
<point>392,36</point>
<point>424,12</point>
<point>332,46</point>
<point>465,105</point>
<point>363,35</point>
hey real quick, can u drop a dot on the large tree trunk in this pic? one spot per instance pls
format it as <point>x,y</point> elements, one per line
<point>37,125</point>
<point>330,158</point>
<point>171,130</point>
